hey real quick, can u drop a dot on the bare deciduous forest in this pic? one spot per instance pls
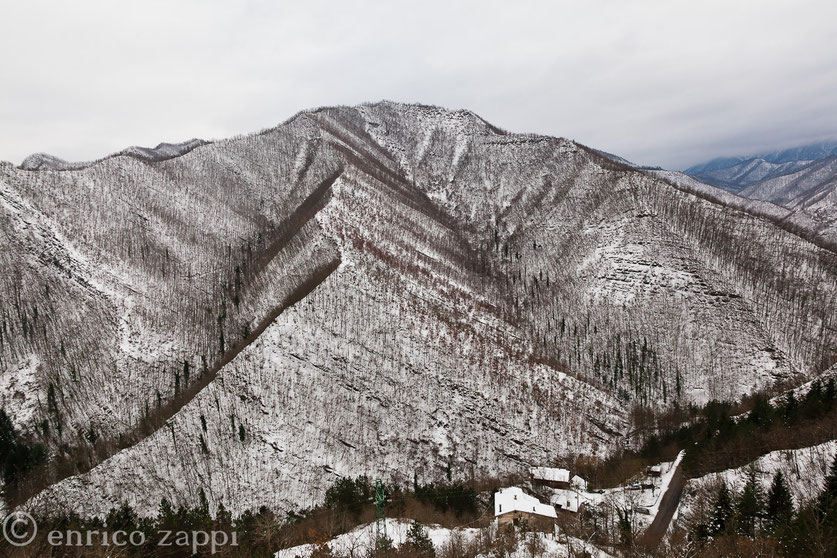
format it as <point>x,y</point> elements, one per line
<point>392,290</point>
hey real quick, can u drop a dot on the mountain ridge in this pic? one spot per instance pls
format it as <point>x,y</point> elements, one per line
<point>163,151</point>
<point>491,287</point>
<point>809,152</point>
<point>806,188</point>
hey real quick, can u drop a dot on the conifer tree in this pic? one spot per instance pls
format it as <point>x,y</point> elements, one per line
<point>791,409</point>
<point>722,512</point>
<point>828,498</point>
<point>419,542</point>
<point>750,505</point>
<point>779,505</point>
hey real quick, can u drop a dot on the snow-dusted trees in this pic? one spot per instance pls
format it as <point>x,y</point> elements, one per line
<point>507,296</point>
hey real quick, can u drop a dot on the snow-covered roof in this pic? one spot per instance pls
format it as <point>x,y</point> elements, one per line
<point>550,474</point>
<point>566,500</point>
<point>514,499</point>
<point>579,482</point>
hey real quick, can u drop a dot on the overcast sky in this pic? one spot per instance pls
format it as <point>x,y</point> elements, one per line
<point>669,83</point>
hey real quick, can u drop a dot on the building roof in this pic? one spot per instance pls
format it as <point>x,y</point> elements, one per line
<point>579,482</point>
<point>549,474</point>
<point>566,500</point>
<point>514,499</point>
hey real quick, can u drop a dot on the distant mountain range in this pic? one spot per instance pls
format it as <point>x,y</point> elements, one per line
<point>802,180</point>
<point>775,161</point>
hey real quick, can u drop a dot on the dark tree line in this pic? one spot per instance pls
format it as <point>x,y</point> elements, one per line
<point>754,520</point>
<point>716,438</point>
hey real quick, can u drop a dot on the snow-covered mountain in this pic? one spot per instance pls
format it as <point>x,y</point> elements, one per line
<point>740,175</point>
<point>802,181</point>
<point>810,193</point>
<point>386,289</point>
<point>163,151</point>
<point>736,173</point>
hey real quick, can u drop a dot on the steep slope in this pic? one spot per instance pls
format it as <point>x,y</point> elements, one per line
<point>385,289</point>
<point>810,193</point>
<point>801,180</point>
<point>802,154</point>
<point>739,176</point>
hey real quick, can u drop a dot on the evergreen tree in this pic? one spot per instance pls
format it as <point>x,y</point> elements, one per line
<point>750,505</point>
<point>791,409</point>
<point>7,434</point>
<point>418,541</point>
<point>722,512</point>
<point>122,518</point>
<point>779,505</point>
<point>828,498</point>
<point>16,457</point>
<point>826,512</point>
<point>166,516</point>
<point>348,496</point>
<point>812,403</point>
<point>383,545</point>
<point>223,517</point>
<point>762,413</point>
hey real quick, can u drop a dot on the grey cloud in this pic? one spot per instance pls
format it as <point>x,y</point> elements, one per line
<point>658,82</point>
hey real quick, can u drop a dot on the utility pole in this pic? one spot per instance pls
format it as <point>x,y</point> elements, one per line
<point>380,515</point>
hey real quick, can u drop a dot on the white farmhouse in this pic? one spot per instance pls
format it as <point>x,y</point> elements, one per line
<point>512,506</point>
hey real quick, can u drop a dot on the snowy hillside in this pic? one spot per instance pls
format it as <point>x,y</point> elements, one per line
<point>43,161</point>
<point>386,290</point>
<point>802,181</point>
<point>361,540</point>
<point>802,154</point>
<point>804,469</point>
<point>740,175</point>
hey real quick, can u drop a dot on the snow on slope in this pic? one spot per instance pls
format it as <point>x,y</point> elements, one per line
<point>361,540</point>
<point>738,177</point>
<point>811,193</point>
<point>691,184</point>
<point>42,161</point>
<point>805,470</point>
<point>378,290</point>
<point>807,187</point>
<point>804,153</point>
<point>324,392</point>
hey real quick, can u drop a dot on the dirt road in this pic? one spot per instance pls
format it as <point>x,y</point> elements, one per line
<point>668,505</point>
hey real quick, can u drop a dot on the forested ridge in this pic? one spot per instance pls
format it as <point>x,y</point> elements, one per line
<point>275,308</point>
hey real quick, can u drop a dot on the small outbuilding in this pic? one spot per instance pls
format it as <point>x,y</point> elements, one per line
<point>578,482</point>
<point>566,500</point>
<point>550,476</point>
<point>513,507</point>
